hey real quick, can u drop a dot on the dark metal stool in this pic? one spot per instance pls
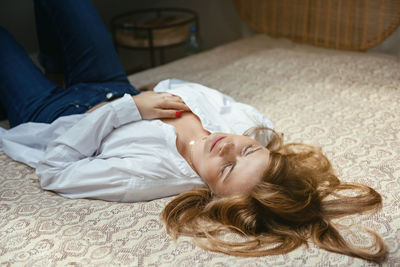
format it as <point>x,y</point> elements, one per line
<point>153,29</point>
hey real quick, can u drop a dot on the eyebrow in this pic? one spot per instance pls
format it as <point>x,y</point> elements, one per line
<point>252,151</point>
<point>233,167</point>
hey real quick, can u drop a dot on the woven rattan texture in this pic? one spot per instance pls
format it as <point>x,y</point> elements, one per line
<point>339,24</point>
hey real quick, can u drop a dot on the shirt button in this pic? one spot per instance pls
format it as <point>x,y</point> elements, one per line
<point>109,95</point>
<point>77,106</point>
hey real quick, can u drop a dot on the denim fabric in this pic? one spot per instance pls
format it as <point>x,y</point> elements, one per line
<point>73,40</point>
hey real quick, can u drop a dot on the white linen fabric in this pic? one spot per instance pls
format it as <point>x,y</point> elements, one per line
<point>112,154</point>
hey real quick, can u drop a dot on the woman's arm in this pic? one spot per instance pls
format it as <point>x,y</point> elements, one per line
<point>70,165</point>
<point>154,105</point>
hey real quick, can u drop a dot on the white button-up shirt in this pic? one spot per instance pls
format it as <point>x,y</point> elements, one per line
<point>113,154</point>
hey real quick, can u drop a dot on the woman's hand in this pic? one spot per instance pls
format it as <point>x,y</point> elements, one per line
<point>154,105</point>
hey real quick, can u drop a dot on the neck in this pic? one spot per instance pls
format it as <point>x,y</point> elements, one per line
<point>189,134</point>
<point>187,143</point>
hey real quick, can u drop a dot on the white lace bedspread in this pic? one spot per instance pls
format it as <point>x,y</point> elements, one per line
<point>349,103</point>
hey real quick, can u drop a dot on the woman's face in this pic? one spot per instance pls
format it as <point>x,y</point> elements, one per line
<point>230,163</point>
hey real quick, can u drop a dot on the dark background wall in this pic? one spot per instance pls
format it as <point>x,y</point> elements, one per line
<point>219,24</point>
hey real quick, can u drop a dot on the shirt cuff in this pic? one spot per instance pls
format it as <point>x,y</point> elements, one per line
<point>126,110</point>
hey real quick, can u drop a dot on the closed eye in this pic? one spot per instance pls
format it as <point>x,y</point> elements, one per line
<point>248,150</point>
<point>225,167</point>
<point>228,168</point>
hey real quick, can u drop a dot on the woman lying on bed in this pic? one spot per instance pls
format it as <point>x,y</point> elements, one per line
<point>101,138</point>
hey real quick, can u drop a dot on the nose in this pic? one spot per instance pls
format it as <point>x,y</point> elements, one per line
<point>225,148</point>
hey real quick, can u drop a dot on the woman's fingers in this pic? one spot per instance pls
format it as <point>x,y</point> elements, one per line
<point>169,113</point>
<point>178,105</point>
<point>174,98</point>
<point>154,105</point>
<point>170,101</point>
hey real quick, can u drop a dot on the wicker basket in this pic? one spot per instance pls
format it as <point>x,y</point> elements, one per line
<point>340,24</point>
<point>161,37</point>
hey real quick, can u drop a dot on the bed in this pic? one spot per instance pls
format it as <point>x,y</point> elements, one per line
<point>347,102</point>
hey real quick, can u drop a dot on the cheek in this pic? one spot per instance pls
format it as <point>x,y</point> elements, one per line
<point>212,172</point>
<point>206,166</point>
<point>208,172</point>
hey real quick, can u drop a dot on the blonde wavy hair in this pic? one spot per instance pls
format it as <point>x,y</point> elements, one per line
<point>296,200</point>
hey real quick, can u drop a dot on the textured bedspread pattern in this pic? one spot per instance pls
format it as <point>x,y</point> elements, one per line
<point>346,102</point>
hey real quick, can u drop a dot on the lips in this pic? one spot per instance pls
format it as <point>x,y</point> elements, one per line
<point>216,140</point>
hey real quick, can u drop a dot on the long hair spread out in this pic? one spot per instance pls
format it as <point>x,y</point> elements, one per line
<point>296,201</point>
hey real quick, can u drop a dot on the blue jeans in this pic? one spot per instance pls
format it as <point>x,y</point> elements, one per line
<point>73,40</point>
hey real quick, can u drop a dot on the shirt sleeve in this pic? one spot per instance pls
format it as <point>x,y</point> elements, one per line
<point>70,166</point>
